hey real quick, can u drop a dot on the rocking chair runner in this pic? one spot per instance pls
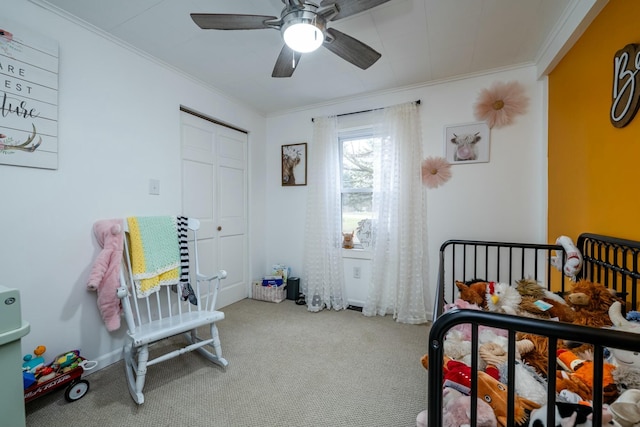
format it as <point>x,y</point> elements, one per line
<point>164,313</point>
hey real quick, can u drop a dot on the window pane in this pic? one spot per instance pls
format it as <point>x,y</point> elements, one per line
<point>355,207</point>
<point>357,163</point>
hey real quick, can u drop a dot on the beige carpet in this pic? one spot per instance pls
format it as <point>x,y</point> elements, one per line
<point>287,367</point>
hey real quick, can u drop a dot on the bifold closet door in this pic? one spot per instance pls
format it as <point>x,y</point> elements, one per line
<point>214,190</point>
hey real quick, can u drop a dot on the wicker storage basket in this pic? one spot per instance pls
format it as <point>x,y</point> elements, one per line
<point>268,293</point>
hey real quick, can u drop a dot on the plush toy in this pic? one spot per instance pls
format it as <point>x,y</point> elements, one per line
<point>633,316</point>
<point>457,347</point>
<point>457,376</point>
<point>542,303</point>
<point>619,322</point>
<point>528,384</point>
<point>105,273</point>
<point>591,302</point>
<point>495,393</point>
<point>457,411</point>
<point>577,370</point>
<point>569,414</point>
<point>473,292</point>
<point>537,358</point>
<point>465,328</point>
<point>347,240</point>
<point>626,409</point>
<point>627,363</point>
<point>573,264</point>
<point>502,298</point>
<point>546,309</point>
<point>529,287</point>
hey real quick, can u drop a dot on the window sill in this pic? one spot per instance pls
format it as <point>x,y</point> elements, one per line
<point>357,253</point>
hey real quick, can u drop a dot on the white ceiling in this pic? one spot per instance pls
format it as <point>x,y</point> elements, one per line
<point>420,41</point>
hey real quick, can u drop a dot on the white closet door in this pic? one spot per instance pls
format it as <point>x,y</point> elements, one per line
<point>214,190</point>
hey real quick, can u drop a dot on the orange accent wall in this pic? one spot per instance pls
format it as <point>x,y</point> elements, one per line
<point>594,168</point>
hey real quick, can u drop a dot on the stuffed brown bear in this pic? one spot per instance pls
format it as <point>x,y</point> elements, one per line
<point>591,302</point>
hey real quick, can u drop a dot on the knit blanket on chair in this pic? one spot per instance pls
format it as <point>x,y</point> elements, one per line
<point>155,254</point>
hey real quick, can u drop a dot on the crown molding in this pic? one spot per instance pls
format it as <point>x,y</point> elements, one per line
<point>575,20</point>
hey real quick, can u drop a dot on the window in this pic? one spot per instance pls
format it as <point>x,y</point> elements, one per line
<point>356,165</point>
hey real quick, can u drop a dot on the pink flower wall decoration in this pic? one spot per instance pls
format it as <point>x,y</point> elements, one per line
<point>435,171</point>
<point>499,104</point>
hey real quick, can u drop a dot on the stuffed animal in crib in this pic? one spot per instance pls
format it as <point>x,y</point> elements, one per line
<point>569,414</point>
<point>577,371</point>
<point>542,303</point>
<point>457,375</point>
<point>529,287</point>
<point>105,273</point>
<point>473,292</point>
<point>457,411</point>
<point>626,409</point>
<point>537,358</point>
<point>493,392</point>
<point>347,240</point>
<point>502,298</point>
<point>591,302</point>
<point>627,363</point>
<point>528,383</point>
<point>465,328</point>
<point>573,264</point>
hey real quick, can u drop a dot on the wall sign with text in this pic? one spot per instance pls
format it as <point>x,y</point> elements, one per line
<point>28,98</point>
<point>626,85</point>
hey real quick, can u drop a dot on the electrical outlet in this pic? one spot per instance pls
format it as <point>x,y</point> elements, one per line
<point>356,272</point>
<point>315,301</point>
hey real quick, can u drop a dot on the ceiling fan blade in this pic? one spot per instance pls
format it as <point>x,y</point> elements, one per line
<point>350,49</point>
<point>351,7</point>
<point>223,21</point>
<point>286,63</point>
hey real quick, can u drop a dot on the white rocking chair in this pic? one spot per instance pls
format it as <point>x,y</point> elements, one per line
<point>164,314</point>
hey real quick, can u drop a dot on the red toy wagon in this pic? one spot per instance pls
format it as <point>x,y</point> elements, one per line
<point>65,370</point>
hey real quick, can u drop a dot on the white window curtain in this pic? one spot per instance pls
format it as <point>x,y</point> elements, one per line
<point>323,277</point>
<point>399,226</point>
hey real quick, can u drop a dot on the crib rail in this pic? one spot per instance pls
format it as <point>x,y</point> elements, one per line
<point>465,260</point>
<point>599,338</point>
<point>612,262</point>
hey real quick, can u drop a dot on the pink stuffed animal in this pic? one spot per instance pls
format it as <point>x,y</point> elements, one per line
<point>457,411</point>
<point>465,328</point>
<point>105,273</point>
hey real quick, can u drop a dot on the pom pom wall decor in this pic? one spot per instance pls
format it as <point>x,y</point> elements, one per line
<point>499,104</point>
<point>435,171</point>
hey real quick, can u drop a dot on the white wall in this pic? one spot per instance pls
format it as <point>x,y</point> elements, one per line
<point>499,200</point>
<point>119,126</point>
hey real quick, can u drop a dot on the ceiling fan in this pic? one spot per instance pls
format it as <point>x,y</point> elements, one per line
<point>304,28</point>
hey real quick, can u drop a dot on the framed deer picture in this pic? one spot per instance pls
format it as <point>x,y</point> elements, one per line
<point>294,164</point>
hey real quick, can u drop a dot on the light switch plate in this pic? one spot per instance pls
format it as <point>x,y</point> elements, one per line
<point>154,187</point>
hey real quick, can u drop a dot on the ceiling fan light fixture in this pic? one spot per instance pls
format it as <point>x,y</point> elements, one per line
<point>302,36</point>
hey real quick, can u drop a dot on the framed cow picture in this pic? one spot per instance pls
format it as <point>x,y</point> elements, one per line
<point>467,143</point>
